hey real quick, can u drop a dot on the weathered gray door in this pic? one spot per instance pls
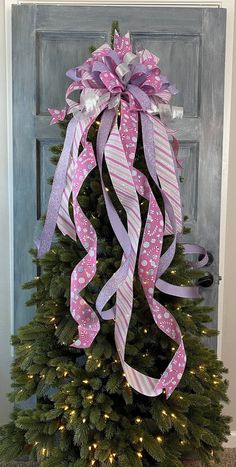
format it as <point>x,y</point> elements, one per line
<point>48,40</point>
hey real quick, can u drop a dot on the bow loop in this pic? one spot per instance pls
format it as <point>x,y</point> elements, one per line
<point>122,44</point>
<point>111,82</point>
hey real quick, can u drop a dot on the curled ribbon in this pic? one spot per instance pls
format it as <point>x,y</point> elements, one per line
<point>111,81</point>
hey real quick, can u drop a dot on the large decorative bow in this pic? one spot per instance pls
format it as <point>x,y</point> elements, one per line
<point>112,80</point>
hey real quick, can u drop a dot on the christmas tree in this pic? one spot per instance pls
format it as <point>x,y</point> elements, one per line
<point>85,413</point>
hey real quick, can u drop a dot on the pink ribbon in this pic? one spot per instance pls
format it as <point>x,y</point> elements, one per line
<point>108,81</point>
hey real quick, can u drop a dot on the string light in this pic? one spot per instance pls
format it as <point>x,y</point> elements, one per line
<point>44,450</point>
<point>85,381</point>
<point>66,407</point>
<point>107,189</point>
<point>139,454</point>
<point>65,373</point>
<point>173,349</point>
<point>183,425</point>
<point>182,442</point>
<point>192,372</point>
<point>106,416</point>
<point>204,332</point>
<point>164,412</point>
<point>141,439</point>
<point>159,439</point>
<point>201,367</point>
<point>93,462</point>
<point>90,398</point>
<point>36,442</point>
<point>61,428</point>
<point>72,412</point>
<point>95,445</point>
<point>84,420</point>
<point>173,271</point>
<point>145,331</point>
<point>173,415</point>
<point>30,376</point>
<point>52,319</point>
<point>97,122</point>
<point>99,365</point>
<point>138,420</point>
<point>89,357</point>
<point>181,397</point>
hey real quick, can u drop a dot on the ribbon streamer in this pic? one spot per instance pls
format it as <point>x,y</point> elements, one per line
<point>111,83</point>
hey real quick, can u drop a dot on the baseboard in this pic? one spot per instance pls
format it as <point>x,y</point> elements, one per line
<point>231,440</point>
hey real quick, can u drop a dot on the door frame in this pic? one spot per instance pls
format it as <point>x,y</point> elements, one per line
<point>6,203</point>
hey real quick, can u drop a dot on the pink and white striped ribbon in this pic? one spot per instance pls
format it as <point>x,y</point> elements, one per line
<point>165,167</point>
<point>150,252</point>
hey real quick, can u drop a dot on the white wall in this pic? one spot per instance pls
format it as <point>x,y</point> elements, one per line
<point>227,298</point>
<point>5,314</point>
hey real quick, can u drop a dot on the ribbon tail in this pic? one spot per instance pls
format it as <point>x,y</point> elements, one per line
<point>148,270</point>
<point>57,191</point>
<point>192,248</point>
<point>84,271</point>
<point>64,222</point>
<point>120,275</point>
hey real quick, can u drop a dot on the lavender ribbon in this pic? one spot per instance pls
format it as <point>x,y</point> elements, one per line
<point>57,191</point>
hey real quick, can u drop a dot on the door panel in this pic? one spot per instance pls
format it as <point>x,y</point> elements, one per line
<point>48,40</point>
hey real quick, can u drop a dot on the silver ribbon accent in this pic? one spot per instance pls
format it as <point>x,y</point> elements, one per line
<point>130,58</point>
<point>90,101</point>
<point>177,112</point>
<point>166,112</point>
<point>123,71</point>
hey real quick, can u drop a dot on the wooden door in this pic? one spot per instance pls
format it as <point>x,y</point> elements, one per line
<point>48,40</point>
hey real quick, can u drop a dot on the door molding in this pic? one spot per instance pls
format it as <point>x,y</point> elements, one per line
<point>7,208</point>
<point>153,3</point>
